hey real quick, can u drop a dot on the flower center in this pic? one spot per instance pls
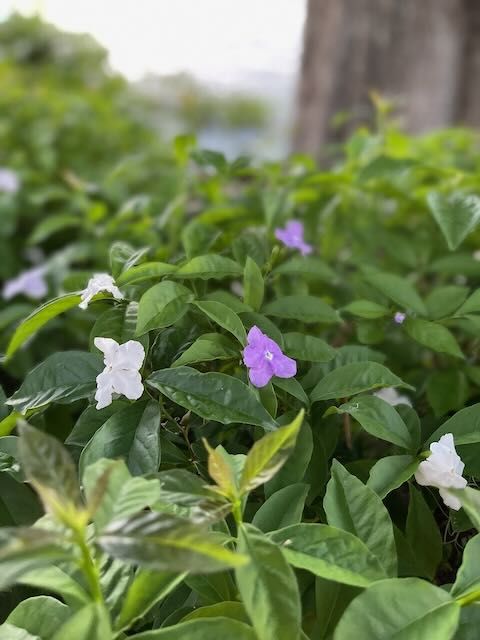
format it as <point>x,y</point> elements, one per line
<point>268,355</point>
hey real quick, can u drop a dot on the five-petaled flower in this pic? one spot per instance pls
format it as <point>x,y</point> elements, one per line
<point>122,370</point>
<point>292,236</point>
<point>31,283</point>
<point>9,181</point>
<point>99,282</point>
<point>264,359</point>
<point>443,469</point>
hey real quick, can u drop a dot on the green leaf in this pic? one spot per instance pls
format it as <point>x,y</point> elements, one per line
<point>390,473</point>
<point>123,255</point>
<point>133,434</point>
<point>307,309</point>
<point>145,271</point>
<point>329,553</point>
<point>268,588</point>
<point>269,454</point>
<point>456,215</point>
<point>113,492</point>
<point>90,421</point>
<point>24,550</point>
<point>423,534</point>
<point>209,267</point>
<point>444,301</point>
<point>18,503</point>
<point>354,378</point>
<point>162,305</point>
<point>282,508</point>
<point>366,309</point>
<point>48,466</point>
<point>293,387</point>
<point>471,305</point>
<point>379,419</point>
<point>213,396</point>
<point>331,599</point>
<point>89,623</point>
<point>41,616</point>
<point>464,425</point>
<point>432,335</point>
<point>253,285</point>
<point>468,575</point>
<point>309,348</point>
<point>53,224</point>
<point>208,347</point>
<point>296,465</point>
<point>38,318</point>
<point>309,267</point>
<point>63,377</point>
<point>352,506</point>
<point>405,608</point>
<point>197,238</point>
<point>398,289</point>
<point>146,589</point>
<point>447,391</point>
<point>119,323</point>
<point>470,499</point>
<point>9,632</point>
<point>225,317</point>
<point>53,578</point>
<point>208,629</point>
<point>165,542</point>
<point>227,609</point>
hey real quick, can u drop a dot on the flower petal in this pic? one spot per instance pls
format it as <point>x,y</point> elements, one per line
<point>261,376</point>
<point>450,500</point>
<point>253,356</point>
<point>128,383</point>
<point>103,395</point>
<point>284,367</point>
<point>130,355</point>
<point>108,347</point>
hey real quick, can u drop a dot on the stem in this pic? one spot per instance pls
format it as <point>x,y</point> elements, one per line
<point>88,565</point>
<point>469,598</point>
<point>237,512</point>
<point>347,430</point>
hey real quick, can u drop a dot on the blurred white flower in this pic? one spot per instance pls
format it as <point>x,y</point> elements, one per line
<point>99,282</point>
<point>9,181</point>
<point>443,469</point>
<point>391,395</point>
<point>30,283</point>
<point>476,254</point>
<point>122,370</point>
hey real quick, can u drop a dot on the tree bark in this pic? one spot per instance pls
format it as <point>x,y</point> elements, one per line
<point>411,51</point>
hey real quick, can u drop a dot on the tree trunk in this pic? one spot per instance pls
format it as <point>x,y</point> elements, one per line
<point>410,51</point>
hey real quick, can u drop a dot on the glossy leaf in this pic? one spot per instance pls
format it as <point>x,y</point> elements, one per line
<point>214,396</point>
<point>302,308</point>
<point>224,317</point>
<point>162,305</point>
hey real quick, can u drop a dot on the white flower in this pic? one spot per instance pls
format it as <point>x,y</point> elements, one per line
<point>121,374</point>
<point>99,282</point>
<point>443,469</point>
<point>391,395</point>
<point>31,283</point>
<point>9,181</point>
<point>476,254</point>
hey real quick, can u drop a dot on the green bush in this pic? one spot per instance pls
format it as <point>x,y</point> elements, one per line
<point>242,428</point>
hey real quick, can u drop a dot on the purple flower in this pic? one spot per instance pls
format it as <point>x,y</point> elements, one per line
<point>399,317</point>
<point>292,236</point>
<point>265,359</point>
<point>9,181</point>
<point>31,283</point>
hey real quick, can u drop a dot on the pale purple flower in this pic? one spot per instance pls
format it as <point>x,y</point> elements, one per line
<point>264,359</point>
<point>292,236</point>
<point>122,370</point>
<point>399,317</point>
<point>9,181</point>
<point>30,283</point>
<point>443,469</point>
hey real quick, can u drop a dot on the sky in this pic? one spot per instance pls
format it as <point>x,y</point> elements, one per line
<point>217,40</point>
